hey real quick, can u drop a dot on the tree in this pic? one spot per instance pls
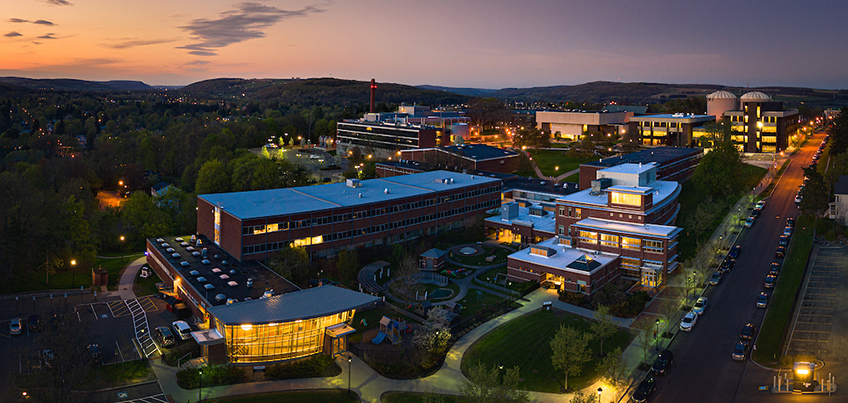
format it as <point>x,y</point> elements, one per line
<point>580,397</point>
<point>435,331</point>
<point>348,263</point>
<point>290,262</point>
<point>212,178</point>
<point>603,327</point>
<point>701,218</point>
<point>570,351</point>
<point>646,337</point>
<point>70,377</point>
<point>670,307</point>
<point>406,279</point>
<point>717,172</point>
<point>483,385</point>
<point>613,369</point>
<point>532,138</point>
<point>815,194</point>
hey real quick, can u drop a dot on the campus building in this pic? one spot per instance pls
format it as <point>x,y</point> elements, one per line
<point>669,129</point>
<point>479,157</point>
<point>758,123</point>
<point>410,127</point>
<point>248,314</point>
<point>621,227</point>
<point>325,219</point>
<point>672,163</point>
<point>573,124</point>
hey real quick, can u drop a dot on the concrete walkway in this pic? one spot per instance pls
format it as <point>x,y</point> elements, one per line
<point>370,385</point>
<point>128,275</point>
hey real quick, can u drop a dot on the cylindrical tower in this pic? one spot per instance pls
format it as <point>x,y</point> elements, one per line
<point>719,102</point>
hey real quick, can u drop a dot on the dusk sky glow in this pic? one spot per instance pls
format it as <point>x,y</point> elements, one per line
<point>465,43</point>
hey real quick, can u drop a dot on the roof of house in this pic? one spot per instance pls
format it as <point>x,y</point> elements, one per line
<point>841,186</point>
<point>273,202</point>
<point>304,304</point>
<point>434,253</point>
<point>161,185</point>
<point>659,155</point>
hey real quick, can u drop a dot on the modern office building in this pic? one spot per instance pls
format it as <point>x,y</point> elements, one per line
<point>572,124</point>
<point>623,226</point>
<point>761,125</point>
<point>672,163</point>
<point>479,157</point>
<point>248,314</point>
<point>328,218</point>
<point>669,129</point>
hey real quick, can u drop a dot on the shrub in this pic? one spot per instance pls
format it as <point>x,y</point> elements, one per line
<point>306,368</point>
<point>212,376</point>
<point>174,354</point>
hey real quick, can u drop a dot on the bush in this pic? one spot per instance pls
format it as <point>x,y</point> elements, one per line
<point>172,355</point>
<point>212,376</point>
<point>311,367</point>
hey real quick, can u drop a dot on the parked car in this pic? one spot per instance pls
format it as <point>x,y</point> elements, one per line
<point>15,326</point>
<point>748,332</point>
<point>755,213</point>
<point>726,265</point>
<point>769,281</point>
<point>700,305</point>
<point>783,241</point>
<point>780,252</point>
<point>790,222</point>
<point>182,329</point>
<point>798,197</point>
<point>165,336</point>
<point>47,358</point>
<point>688,322</point>
<point>715,278</point>
<point>94,353</point>
<point>749,222</point>
<point>734,252</point>
<point>662,362</point>
<point>740,352</point>
<point>787,231</point>
<point>762,300</point>
<point>760,204</point>
<point>774,269</point>
<point>645,389</point>
<point>34,323</point>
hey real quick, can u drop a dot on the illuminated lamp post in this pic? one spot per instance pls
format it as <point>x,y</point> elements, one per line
<point>349,359</point>
<point>200,386</point>
<point>599,394</point>
<point>73,271</point>
<point>122,248</point>
<point>657,335</point>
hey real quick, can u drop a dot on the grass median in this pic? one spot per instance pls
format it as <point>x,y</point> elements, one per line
<point>776,322</point>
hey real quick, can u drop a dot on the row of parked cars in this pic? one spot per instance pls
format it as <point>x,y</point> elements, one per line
<point>167,337</point>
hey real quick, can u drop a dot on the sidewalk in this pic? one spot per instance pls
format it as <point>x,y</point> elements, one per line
<point>370,385</point>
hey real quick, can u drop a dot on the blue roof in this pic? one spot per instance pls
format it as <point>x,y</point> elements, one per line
<point>275,202</point>
<point>479,152</point>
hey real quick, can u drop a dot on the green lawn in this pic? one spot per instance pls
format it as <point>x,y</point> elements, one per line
<point>548,160</point>
<point>783,299</point>
<point>407,397</point>
<point>471,305</point>
<point>125,373</point>
<point>372,319</point>
<point>524,342</point>
<point>146,286</point>
<point>68,279</point>
<point>572,178</point>
<point>316,396</point>
<point>691,196</point>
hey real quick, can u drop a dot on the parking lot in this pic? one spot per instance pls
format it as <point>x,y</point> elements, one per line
<point>821,325</point>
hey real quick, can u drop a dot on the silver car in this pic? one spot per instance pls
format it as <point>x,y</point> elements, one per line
<point>700,305</point>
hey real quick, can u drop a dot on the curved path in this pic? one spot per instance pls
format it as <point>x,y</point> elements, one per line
<point>370,385</point>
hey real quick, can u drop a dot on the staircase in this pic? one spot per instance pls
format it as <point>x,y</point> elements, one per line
<point>142,329</point>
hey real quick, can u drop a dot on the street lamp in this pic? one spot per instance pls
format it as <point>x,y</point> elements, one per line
<point>657,335</point>
<point>599,394</point>
<point>122,249</point>
<point>349,359</point>
<point>73,271</point>
<point>500,371</point>
<point>200,386</point>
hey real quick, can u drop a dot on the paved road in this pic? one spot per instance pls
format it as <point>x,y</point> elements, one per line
<point>703,370</point>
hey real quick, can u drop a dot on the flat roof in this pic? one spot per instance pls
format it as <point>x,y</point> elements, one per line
<point>304,304</point>
<point>663,231</point>
<point>537,185</point>
<point>479,152</point>
<point>630,168</point>
<point>423,166</point>
<point>263,278</point>
<point>687,118</point>
<point>660,155</point>
<point>546,223</point>
<point>662,190</point>
<point>566,258</point>
<point>275,202</point>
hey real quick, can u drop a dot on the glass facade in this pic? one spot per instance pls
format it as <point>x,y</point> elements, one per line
<point>256,343</point>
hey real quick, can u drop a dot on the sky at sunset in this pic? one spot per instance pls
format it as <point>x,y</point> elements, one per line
<point>461,43</point>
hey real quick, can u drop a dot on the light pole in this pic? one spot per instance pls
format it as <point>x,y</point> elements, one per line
<point>200,384</point>
<point>500,372</point>
<point>657,335</point>
<point>122,249</point>
<point>599,394</point>
<point>73,271</point>
<point>349,359</point>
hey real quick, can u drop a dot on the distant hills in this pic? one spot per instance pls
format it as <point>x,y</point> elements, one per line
<point>346,92</point>
<point>68,84</point>
<point>647,93</point>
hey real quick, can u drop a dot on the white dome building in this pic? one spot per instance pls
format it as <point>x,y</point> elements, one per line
<point>721,101</point>
<point>755,96</point>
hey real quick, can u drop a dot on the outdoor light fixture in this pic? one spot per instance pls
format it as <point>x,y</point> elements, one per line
<point>246,327</point>
<point>803,371</point>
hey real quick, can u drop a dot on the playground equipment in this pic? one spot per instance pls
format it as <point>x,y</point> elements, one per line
<point>390,329</point>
